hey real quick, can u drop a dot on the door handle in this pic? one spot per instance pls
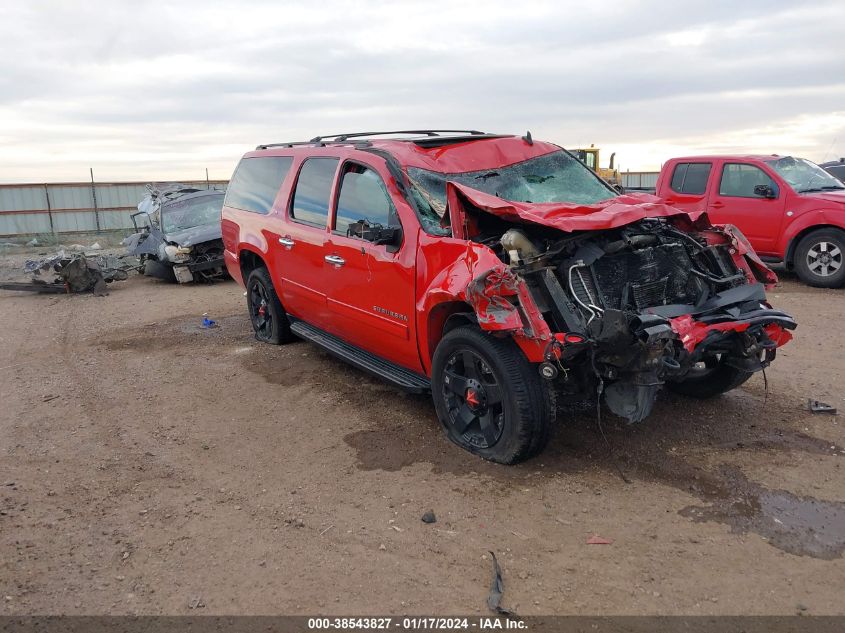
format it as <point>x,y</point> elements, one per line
<point>335,260</point>
<point>717,205</point>
<point>286,241</point>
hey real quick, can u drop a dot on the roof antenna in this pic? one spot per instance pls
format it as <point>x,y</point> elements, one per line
<point>527,138</point>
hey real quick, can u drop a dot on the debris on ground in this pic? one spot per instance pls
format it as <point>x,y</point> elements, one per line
<point>429,517</point>
<point>196,603</point>
<point>75,272</point>
<point>497,590</point>
<point>208,323</point>
<point>595,539</point>
<point>815,406</point>
<point>33,242</point>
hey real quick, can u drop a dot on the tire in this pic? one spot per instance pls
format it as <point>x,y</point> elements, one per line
<point>820,258</point>
<point>268,317</point>
<point>714,379</point>
<point>154,268</point>
<point>490,400</point>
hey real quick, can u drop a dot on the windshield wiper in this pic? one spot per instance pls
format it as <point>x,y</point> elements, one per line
<point>825,188</point>
<point>489,174</point>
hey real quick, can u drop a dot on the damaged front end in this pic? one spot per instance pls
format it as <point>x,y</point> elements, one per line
<point>181,239</point>
<point>621,300</point>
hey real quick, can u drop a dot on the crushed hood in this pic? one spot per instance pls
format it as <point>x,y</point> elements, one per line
<point>195,235</point>
<point>568,217</point>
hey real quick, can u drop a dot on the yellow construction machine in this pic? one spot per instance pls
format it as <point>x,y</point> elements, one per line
<point>590,157</point>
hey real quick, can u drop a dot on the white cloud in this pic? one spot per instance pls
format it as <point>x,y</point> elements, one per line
<point>155,90</point>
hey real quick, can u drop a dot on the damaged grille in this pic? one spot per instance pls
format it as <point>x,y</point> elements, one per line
<point>584,287</point>
<point>646,277</point>
<point>650,293</point>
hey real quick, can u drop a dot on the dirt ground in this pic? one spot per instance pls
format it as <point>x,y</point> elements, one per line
<point>150,466</point>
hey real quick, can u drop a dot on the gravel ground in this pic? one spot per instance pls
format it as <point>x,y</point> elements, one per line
<point>150,466</point>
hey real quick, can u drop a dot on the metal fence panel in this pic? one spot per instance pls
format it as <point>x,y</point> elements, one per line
<point>639,179</point>
<point>36,209</point>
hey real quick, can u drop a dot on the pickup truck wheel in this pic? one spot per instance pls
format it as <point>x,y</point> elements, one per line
<point>710,379</point>
<point>819,258</point>
<point>268,317</point>
<point>489,398</point>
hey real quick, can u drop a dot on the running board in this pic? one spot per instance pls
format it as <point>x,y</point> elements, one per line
<point>400,377</point>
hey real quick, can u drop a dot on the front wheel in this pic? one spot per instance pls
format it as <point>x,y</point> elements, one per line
<point>819,258</point>
<point>268,317</point>
<point>708,379</point>
<point>490,400</point>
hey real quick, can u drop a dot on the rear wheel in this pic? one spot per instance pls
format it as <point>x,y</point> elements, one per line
<point>268,317</point>
<point>708,379</point>
<point>819,258</point>
<point>489,398</point>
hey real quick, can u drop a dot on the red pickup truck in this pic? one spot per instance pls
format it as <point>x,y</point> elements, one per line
<point>791,210</point>
<point>497,272</point>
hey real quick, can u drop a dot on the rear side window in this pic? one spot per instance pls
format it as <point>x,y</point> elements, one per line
<point>738,180</point>
<point>256,182</point>
<point>690,178</point>
<point>311,198</point>
<point>363,198</point>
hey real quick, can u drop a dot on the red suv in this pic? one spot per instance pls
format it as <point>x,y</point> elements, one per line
<point>497,272</point>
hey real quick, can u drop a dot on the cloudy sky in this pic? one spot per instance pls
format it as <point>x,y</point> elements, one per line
<point>146,90</point>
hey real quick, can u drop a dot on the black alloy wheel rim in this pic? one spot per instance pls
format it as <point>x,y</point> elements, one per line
<point>473,399</point>
<point>262,320</point>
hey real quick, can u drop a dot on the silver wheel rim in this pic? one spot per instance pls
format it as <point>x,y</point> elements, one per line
<point>824,259</point>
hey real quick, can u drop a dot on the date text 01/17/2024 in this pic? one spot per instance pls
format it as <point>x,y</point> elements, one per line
<point>416,623</point>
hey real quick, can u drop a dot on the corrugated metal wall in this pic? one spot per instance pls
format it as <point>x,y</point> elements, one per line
<point>639,179</point>
<point>33,209</point>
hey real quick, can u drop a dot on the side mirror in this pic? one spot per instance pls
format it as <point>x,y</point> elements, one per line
<point>377,234</point>
<point>764,191</point>
<point>390,237</point>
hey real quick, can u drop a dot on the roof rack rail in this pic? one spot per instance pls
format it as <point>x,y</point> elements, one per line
<point>348,135</point>
<point>343,139</point>
<point>317,143</point>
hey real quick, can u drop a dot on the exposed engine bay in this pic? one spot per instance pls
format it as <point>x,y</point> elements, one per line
<point>180,239</point>
<point>658,301</point>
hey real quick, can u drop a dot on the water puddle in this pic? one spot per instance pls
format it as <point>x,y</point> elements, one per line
<point>803,526</point>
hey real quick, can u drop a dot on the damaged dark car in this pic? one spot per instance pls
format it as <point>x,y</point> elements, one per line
<point>178,236</point>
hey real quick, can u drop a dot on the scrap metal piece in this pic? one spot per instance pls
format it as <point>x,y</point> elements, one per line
<point>76,272</point>
<point>497,590</point>
<point>816,406</point>
<point>37,285</point>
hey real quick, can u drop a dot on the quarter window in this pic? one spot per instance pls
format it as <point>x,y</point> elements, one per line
<point>363,200</point>
<point>256,182</point>
<point>738,180</point>
<point>313,188</point>
<point>690,178</point>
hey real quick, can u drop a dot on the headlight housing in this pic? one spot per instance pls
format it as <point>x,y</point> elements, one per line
<point>177,254</point>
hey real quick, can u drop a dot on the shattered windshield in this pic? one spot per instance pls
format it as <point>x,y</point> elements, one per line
<point>804,176</point>
<point>186,214</point>
<point>553,177</point>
